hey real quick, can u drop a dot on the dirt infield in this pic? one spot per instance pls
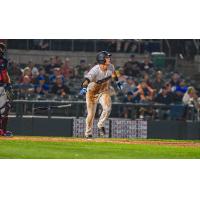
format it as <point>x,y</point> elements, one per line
<point>106,140</point>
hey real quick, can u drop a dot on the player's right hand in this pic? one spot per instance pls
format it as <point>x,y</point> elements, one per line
<point>119,85</point>
<point>83,91</point>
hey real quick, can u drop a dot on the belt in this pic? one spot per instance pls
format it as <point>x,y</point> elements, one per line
<point>103,80</point>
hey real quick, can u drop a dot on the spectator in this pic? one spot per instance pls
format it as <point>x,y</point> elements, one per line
<point>147,80</point>
<point>34,77</point>
<point>145,92</point>
<point>120,75</point>
<point>159,82</point>
<point>164,96</point>
<point>32,67</point>
<point>42,74</point>
<point>170,92</point>
<point>56,72</point>
<point>88,69</point>
<point>56,62</point>
<point>48,66</point>
<point>26,87</point>
<point>131,68</point>
<point>182,87</point>
<point>168,87</point>
<point>59,88</point>
<point>191,98</point>
<point>14,71</point>
<point>130,97</point>
<point>175,79</point>
<point>129,85</point>
<point>80,69</point>
<point>25,72</point>
<point>146,65</point>
<point>179,91</point>
<point>145,95</point>
<point>41,88</point>
<point>192,101</point>
<point>67,70</point>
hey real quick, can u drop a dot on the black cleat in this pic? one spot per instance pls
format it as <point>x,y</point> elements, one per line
<point>101,131</point>
<point>88,136</point>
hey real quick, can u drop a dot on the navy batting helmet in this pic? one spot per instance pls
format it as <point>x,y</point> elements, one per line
<point>101,56</point>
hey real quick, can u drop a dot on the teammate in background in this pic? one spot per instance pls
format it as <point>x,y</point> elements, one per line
<point>96,86</point>
<point>5,93</point>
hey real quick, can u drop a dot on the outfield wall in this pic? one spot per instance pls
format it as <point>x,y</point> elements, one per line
<point>41,126</point>
<point>68,127</point>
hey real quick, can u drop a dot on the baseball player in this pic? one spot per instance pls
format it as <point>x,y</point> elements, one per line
<point>5,92</point>
<point>96,86</point>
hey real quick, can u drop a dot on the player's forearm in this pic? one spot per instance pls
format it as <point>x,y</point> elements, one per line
<point>115,77</point>
<point>85,83</point>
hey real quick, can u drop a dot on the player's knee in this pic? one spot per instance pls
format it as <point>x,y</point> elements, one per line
<point>107,109</point>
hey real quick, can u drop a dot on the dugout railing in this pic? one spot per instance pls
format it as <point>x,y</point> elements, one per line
<point>148,111</point>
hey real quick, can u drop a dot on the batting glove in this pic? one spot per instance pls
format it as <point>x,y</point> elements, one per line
<point>83,91</point>
<point>119,85</point>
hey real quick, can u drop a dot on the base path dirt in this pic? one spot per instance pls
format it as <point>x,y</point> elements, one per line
<point>105,140</point>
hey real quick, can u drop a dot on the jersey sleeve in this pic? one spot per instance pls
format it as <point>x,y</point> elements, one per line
<point>91,75</point>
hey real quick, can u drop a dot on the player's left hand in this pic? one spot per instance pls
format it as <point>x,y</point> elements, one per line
<point>83,91</point>
<point>119,85</point>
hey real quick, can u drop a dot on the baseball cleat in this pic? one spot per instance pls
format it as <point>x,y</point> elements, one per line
<point>101,131</point>
<point>88,136</point>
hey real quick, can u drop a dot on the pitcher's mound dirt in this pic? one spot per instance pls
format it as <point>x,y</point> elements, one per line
<point>106,140</point>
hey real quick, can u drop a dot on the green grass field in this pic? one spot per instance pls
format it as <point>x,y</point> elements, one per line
<point>92,150</point>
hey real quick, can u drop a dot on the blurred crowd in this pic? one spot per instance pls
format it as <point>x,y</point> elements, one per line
<point>52,79</point>
<point>142,81</point>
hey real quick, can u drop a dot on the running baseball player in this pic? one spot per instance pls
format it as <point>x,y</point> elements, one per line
<point>5,93</point>
<point>96,86</point>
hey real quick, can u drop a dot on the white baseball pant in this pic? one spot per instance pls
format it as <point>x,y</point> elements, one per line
<point>92,100</point>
